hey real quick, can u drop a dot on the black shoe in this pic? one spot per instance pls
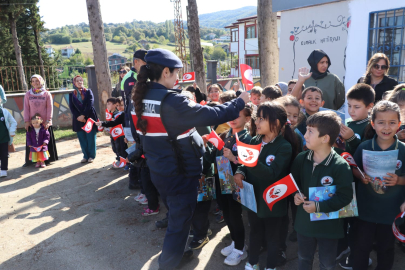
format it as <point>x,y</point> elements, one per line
<point>197,244</point>
<point>27,164</point>
<point>293,236</point>
<point>342,253</point>
<point>187,256</point>
<point>281,258</point>
<point>345,264</point>
<point>132,187</point>
<point>161,224</point>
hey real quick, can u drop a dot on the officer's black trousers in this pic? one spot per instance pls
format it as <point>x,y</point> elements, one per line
<point>200,220</point>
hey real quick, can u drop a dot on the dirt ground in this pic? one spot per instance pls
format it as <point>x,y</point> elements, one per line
<point>83,216</point>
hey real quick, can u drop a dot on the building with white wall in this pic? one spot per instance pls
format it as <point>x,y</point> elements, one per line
<point>244,45</point>
<point>68,51</point>
<point>49,50</point>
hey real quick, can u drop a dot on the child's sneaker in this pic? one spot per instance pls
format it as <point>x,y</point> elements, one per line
<point>248,266</point>
<point>197,244</point>
<point>235,257</point>
<point>3,173</point>
<point>226,251</point>
<point>219,218</point>
<point>148,212</point>
<point>138,197</point>
<point>43,165</point>
<point>143,201</point>
<point>217,210</point>
<point>38,165</point>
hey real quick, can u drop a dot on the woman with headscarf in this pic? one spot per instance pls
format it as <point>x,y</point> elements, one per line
<point>81,104</point>
<point>332,88</point>
<point>39,100</point>
<point>376,75</point>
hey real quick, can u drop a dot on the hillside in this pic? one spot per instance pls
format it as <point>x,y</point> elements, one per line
<point>223,18</point>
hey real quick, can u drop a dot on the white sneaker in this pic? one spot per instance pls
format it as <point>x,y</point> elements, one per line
<point>3,173</point>
<point>235,257</point>
<point>226,251</point>
<point>248,266</point>
<point>138,197</point>
<point>143,200</point>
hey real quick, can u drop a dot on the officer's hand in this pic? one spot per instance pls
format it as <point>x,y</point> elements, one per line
<point>98,124</point>
<point>245,96</point>
<point>238,179</point>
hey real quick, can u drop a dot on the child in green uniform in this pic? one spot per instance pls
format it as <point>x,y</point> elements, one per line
<point>317,167</point>
<point>378,211</point>
<point>277,150</point>
<point>360,100</point>
<point>311,101</point>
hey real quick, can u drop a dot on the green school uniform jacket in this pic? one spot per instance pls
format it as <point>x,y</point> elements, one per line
<point>374,207</point>
<point>358,128</point>
<point>302,126</point>
<point>334,170</point>
<point>267,172</point>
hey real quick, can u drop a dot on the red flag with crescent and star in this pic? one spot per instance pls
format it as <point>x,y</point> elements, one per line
<point>108,115</point>
<point>37,149</point>
<point>248,154</point>
<point>121,164</point>
<point>117,131</point>
<point>89,125</point>
<point>247,76</point>
<point>190,76</point>
<point>349,158</point>
<point>279,190</point>
<point>215,140</point>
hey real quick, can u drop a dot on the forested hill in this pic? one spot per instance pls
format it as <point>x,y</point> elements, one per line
<point>223,18</point>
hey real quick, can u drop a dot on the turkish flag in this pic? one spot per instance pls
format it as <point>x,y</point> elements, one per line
<point>203,102</point>
<point>215,140</point>
<point>395,230</point>
<point>349,159</point>
<point>89,125</point>
<point>100,128</point>
<point>108,115</point>
<point>279,190</point>
<point>122,163</point>
<point>248,155</point>
<point>190,76</point>
<point>247,76</point>
<point>117,131</point>
<point>37,149</point>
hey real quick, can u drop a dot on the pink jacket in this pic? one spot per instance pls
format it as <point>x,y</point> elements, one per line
<point>38,103</point>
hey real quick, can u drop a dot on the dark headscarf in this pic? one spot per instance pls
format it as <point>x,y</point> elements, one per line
<point>313,61</point>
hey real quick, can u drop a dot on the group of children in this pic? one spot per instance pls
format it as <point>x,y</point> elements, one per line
<point>297,138</point>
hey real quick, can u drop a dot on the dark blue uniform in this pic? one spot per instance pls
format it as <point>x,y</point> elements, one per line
<point>173,150</point>
<point>127,83</point>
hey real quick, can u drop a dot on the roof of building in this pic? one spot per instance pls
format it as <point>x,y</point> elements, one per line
<point>239,21</point>
<point>67,47</point>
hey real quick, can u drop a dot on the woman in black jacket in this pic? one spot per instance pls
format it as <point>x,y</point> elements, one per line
<point>376,75</point>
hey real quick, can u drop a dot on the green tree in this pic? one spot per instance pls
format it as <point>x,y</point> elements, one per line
<point>88,61</point>
<point>78,51</point>
<point>162,40</point>
<point>218,54</point>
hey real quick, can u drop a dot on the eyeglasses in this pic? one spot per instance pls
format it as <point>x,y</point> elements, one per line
<point>122,71</point>
<point>383,67</point>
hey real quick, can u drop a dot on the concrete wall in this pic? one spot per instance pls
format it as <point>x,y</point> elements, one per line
<point>61,112</point>
<point>282,5</point>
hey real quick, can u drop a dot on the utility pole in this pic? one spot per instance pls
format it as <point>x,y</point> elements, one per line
<point>195,45</point>
<point>268,42</point>
<point>100,54</point>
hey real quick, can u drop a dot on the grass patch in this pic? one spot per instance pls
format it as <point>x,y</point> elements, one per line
<point>60,133</point>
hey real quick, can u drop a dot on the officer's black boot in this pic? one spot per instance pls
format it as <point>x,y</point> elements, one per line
<point>161,224</point>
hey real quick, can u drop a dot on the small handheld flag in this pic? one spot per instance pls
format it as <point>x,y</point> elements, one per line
<point>190,76</point>
<point>215,140</point>
<point>279,190</point>
<point>247,76</point>
<point>100,128</point>
<point>203,102</point>
<point>122,163</point>
<point>117,131</point>
<point>89,125</point>
<point>349,159</point>
<point>248,155</point>
<point>395,230</point>
<point>37,149</point>
<point>108,115</point>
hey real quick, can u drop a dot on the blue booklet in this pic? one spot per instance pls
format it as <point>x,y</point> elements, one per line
<point>225,175</point>
<point>319,194</point>
<point>206,190</point>
<point>377,164</point>
<point>246,196</point>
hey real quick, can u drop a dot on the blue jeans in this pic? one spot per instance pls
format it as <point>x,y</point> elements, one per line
<point>181,209</point>
<point>88,143</point>
<point>327,249</point>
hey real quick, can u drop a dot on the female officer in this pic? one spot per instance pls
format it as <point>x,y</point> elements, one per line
<point>173,149</point>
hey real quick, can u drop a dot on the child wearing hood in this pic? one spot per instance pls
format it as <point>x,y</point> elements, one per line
<point>319,76</point>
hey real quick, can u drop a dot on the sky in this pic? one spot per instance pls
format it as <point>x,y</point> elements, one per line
<point>57,13</point>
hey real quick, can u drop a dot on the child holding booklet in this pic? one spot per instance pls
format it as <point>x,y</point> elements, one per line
<point>277,150</point>
<point>378,211</point>
<point>317,167</point>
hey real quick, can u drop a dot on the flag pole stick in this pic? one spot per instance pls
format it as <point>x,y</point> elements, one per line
<point>302,197</point>
<point>361,172</point>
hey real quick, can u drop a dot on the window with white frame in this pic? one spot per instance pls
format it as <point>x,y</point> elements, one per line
<point>387,35</point>
<point>234,35</point>
<point>250,31</point>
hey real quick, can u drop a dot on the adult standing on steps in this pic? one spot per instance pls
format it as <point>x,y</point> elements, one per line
<point>376,75</point>
<point>39,100</point>
<point>332,88</point>
<point>173,149</point>
<point>81,104</point>
<point>129,81</point>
